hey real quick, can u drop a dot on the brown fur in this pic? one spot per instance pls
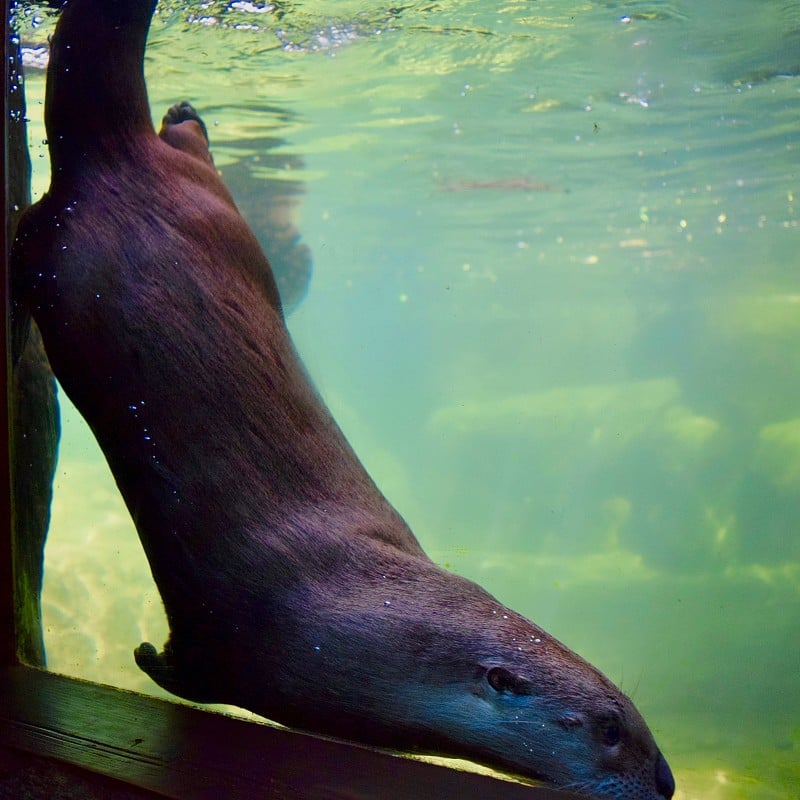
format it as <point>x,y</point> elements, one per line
<point>291,586</point>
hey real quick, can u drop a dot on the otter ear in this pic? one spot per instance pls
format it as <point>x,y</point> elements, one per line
<point>503,680</point>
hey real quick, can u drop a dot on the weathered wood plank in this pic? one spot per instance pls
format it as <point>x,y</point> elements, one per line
<point>186,753</point>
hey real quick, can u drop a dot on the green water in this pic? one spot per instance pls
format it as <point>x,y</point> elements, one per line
<point>555,307</point>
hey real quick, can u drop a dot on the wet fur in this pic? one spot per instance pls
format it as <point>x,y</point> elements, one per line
<point>291,586</point>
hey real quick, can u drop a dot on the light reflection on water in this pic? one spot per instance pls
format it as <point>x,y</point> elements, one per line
<point>554,305</point>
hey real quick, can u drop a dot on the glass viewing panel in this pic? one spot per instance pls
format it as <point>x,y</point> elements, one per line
<point>554,306</point>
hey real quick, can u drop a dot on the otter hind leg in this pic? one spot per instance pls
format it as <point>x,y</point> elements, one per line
<point>183,128</point>
<point>163,669</point>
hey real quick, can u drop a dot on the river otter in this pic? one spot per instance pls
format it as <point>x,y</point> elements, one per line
<point>291,586</point>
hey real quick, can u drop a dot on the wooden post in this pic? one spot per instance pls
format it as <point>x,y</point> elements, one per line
<point>7,646</point>
<point>30,408</point>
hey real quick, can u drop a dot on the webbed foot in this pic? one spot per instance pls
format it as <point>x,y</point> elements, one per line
<point>181,112</point>
<point>184,129</point>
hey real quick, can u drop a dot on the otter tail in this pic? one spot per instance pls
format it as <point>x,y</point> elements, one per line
<point>95,79</point>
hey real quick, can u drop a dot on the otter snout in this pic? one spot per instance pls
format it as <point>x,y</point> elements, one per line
<point>665,783</point>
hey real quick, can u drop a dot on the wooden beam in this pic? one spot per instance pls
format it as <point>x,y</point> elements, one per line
<point>184,752</point>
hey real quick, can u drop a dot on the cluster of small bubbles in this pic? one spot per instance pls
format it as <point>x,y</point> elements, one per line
<point>136,407</point>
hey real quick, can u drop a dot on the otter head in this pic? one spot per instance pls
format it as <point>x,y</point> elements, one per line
<point>561,721</point>
<point>439,666</point>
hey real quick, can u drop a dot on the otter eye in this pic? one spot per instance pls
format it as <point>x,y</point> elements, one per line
<point>501,680</point>
<point>612,734</point>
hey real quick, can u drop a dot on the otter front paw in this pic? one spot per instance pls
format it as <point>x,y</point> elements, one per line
<point>162,668</point>
<point>158,666</point>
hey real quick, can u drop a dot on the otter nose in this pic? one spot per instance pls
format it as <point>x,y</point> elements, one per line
<point>665,783</point>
